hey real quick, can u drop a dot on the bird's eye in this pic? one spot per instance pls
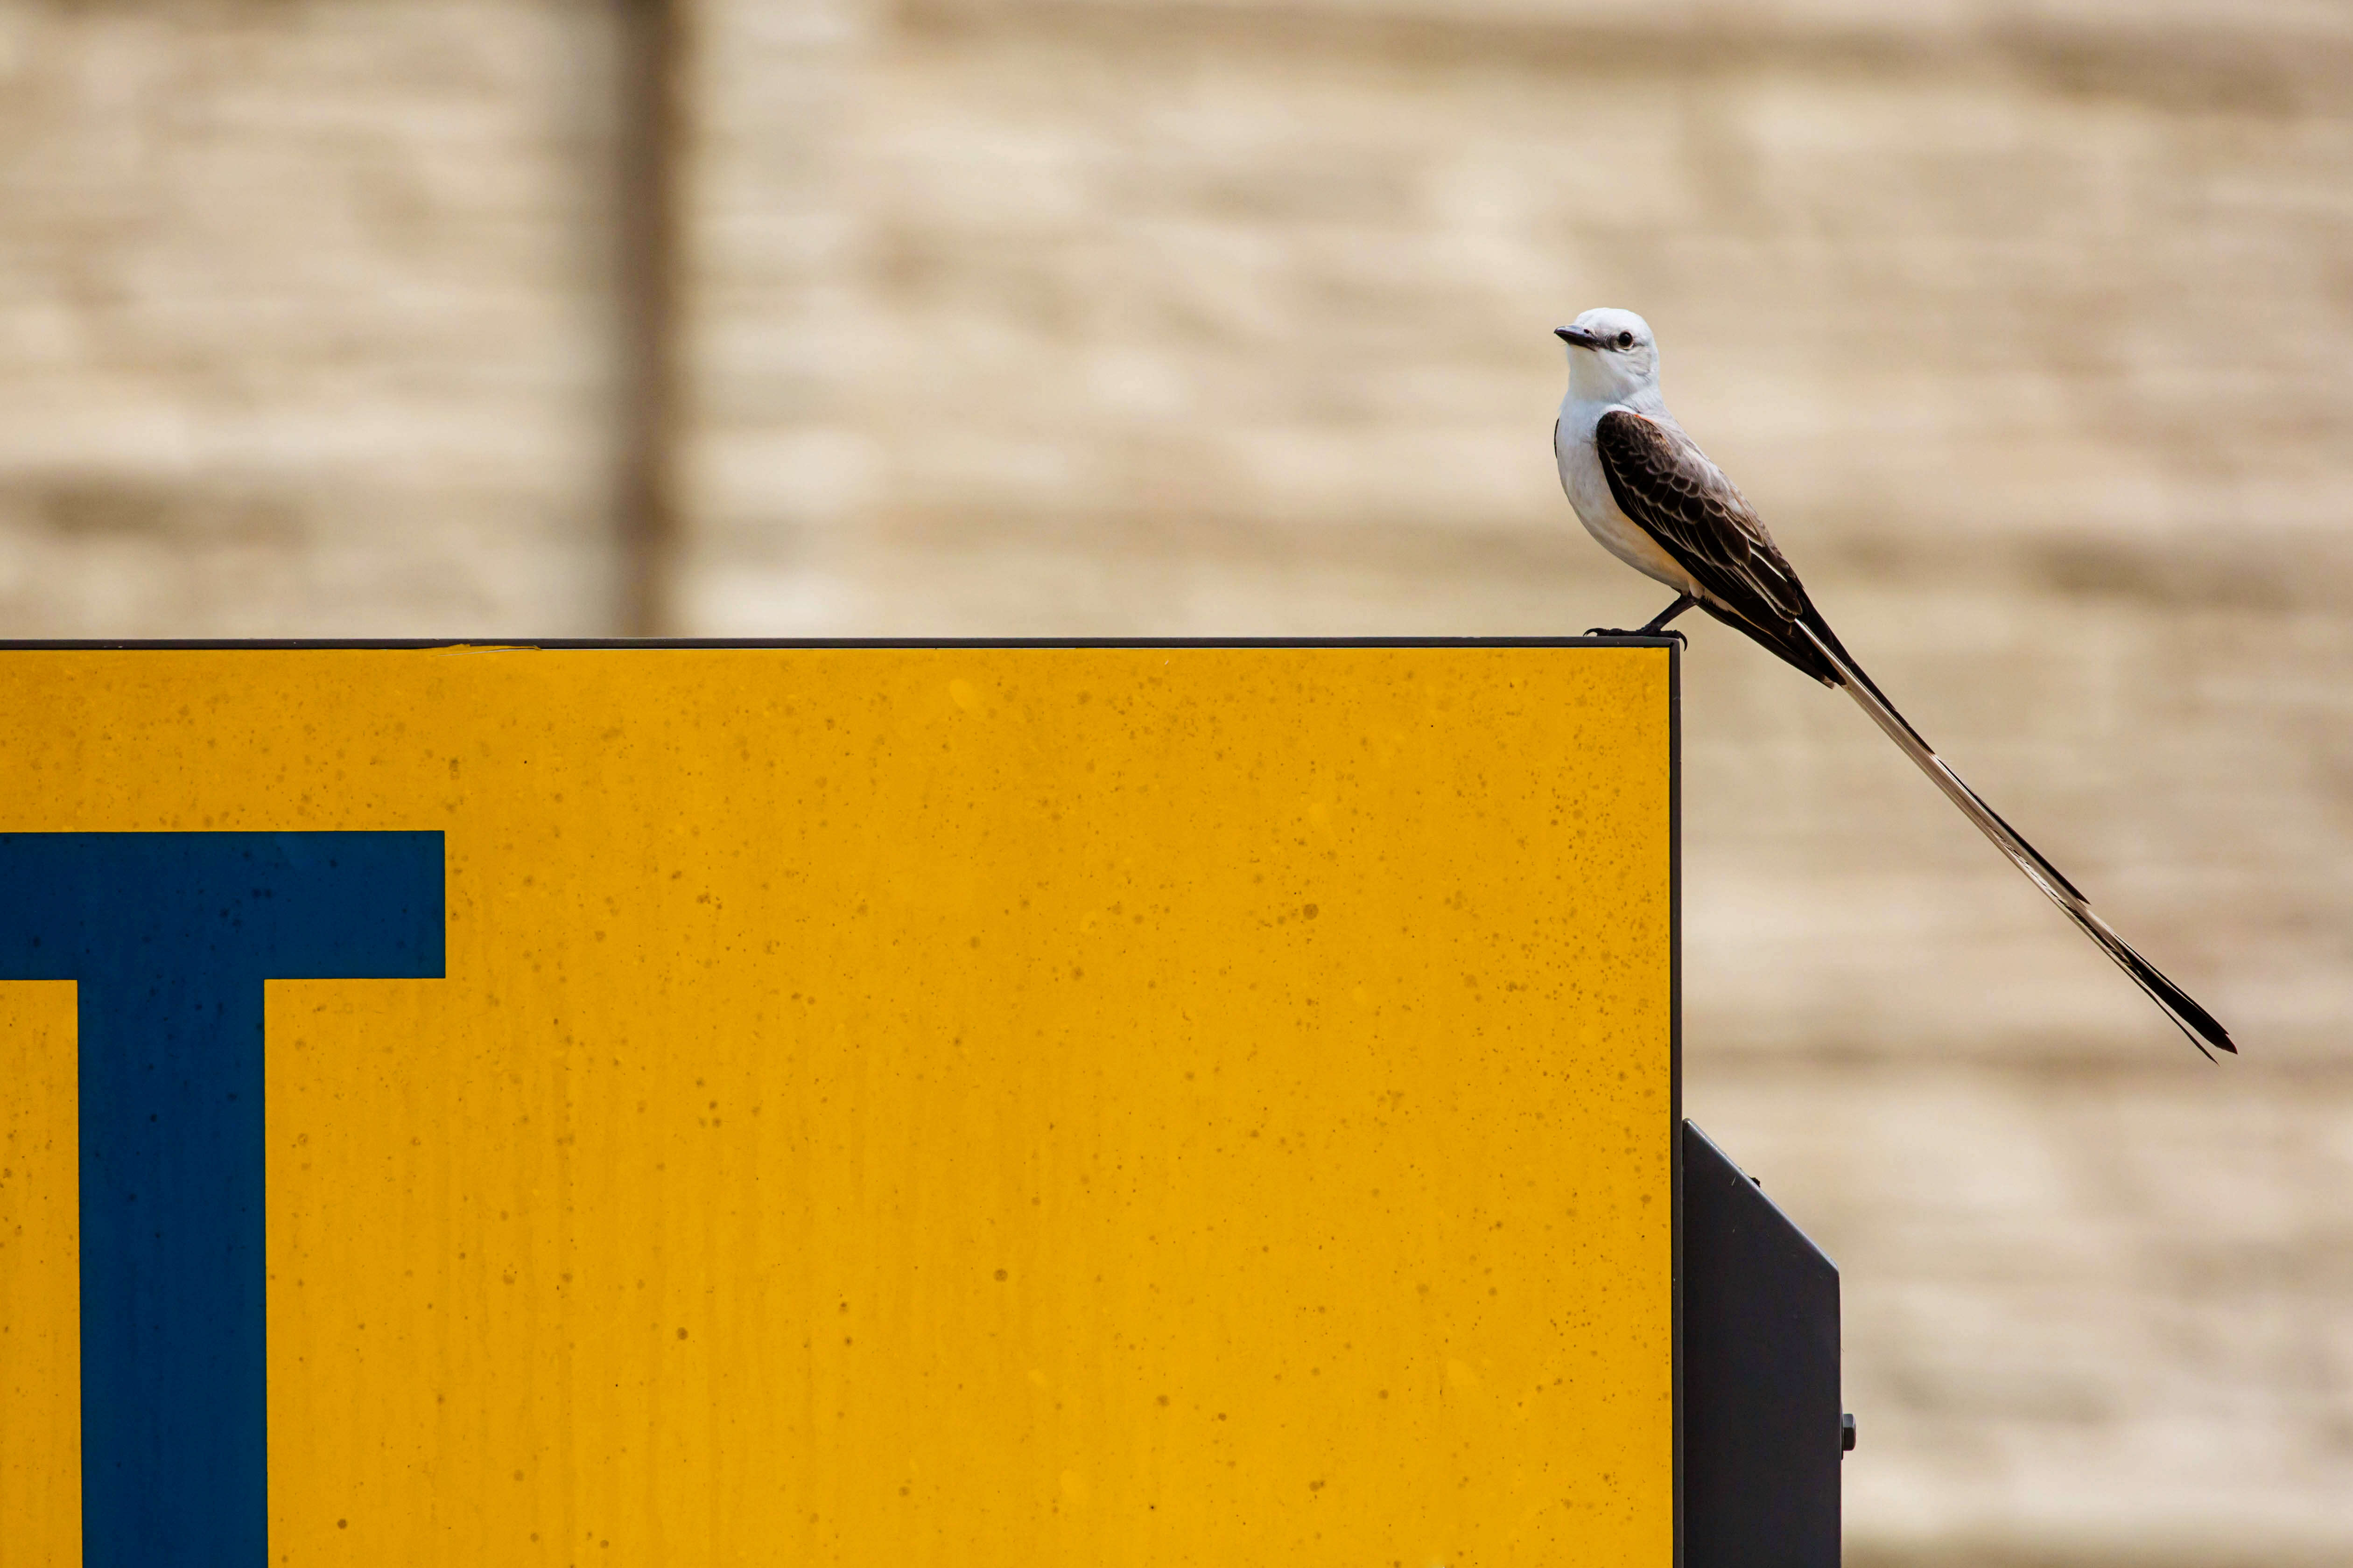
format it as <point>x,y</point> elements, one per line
<point>1625,340</point>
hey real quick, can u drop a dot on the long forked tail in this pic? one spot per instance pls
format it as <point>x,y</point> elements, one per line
<point>2186,1014</point>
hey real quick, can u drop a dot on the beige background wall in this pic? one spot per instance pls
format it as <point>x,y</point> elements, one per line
<point>2030,326</point>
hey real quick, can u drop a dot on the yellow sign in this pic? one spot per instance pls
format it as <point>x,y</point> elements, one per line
<point>969,1106</point>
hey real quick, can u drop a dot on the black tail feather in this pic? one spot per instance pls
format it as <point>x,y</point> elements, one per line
<point>1780,639</point>
<point>2194,1021</point>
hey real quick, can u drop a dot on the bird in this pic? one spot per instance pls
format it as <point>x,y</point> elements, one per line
<point>1649,496</point>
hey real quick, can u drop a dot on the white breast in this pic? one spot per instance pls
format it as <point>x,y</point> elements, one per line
<point>1589,492</point>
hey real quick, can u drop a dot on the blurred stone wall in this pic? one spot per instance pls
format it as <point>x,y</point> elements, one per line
<point>2028,326</point>
<point>305,317</point>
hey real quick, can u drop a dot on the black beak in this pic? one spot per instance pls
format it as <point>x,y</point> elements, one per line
<point>1576,337</point>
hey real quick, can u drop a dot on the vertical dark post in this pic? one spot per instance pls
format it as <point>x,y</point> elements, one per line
<point>170,938</point>
<point>650,209</point>
<point>1762,1429</point>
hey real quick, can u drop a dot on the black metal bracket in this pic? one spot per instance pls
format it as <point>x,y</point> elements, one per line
<point>1763,1433</point>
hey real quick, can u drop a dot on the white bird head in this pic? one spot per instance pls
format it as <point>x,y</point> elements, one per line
<point>1612,358</point>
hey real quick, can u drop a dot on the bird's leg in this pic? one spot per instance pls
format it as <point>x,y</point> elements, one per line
<point>1655,627</point>
<point>1658,623</point>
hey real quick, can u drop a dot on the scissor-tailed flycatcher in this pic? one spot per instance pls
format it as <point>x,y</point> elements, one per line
<point>1650,495</point>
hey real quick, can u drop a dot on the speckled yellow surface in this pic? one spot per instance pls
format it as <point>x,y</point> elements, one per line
<point>946,1106</point>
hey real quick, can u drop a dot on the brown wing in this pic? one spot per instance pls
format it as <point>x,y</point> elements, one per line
<point>1665,483</point>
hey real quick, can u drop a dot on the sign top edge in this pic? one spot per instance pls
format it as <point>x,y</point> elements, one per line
<point>713,643</point>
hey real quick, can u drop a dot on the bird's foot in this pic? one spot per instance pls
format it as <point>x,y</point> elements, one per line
<point>1656,626</point>
<point>1681,641</point>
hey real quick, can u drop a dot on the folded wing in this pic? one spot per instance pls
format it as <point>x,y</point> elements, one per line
<point>1666,485</point>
